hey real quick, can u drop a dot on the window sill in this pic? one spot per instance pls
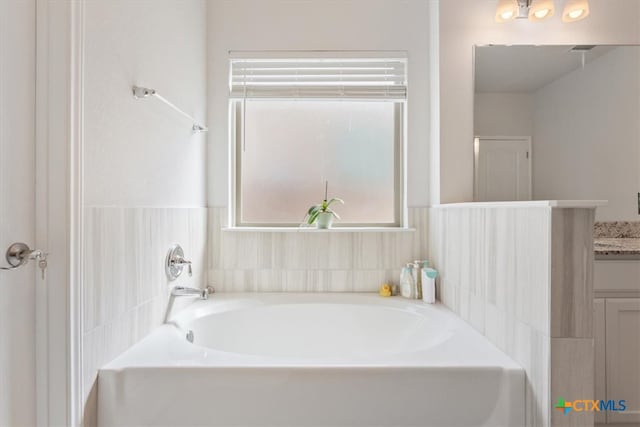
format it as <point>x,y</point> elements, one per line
<point>316,230</point>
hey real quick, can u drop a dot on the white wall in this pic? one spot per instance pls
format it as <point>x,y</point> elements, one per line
<point>17,205</point>
<point>319,25</point>
<point>503,114</point>
<point>587,135</point>
<point>465,23</point>
<point>140,152</point>
<point>144,170</point>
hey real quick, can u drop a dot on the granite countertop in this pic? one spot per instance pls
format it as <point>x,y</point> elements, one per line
<point>617,240</point>
<point>617,246</point>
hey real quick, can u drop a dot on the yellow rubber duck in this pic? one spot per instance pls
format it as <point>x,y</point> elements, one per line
<point>385,290</point>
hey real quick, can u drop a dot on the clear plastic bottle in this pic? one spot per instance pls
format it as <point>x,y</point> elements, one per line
<point>417,268</point>
<point>407,284</point>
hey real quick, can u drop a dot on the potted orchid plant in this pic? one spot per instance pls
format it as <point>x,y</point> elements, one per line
<point>321,214</point>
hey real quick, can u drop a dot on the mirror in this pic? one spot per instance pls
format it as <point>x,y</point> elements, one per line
<point>558,122</point>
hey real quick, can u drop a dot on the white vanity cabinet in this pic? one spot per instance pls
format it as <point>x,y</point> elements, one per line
<point>623,357</point>
<point>617,339</point>
<point>599,338</point>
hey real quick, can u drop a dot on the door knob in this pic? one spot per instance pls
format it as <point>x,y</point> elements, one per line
<point>19,254</point>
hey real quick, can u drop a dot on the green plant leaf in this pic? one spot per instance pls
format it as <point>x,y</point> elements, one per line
<point>312,213</point>
<point>335,199</point>
<point>313,208</point>
<point>313,217</point>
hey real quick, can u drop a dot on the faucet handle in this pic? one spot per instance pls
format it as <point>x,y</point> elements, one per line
<point>175,262</point>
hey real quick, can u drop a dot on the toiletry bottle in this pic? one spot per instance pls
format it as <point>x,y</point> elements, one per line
<point>407,283</point>
<point>429,285</point>
<point>416,270</point>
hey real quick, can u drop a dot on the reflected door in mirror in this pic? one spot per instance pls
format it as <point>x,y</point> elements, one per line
<point>502,169</point>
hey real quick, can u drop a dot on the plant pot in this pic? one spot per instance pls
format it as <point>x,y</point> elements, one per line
<point>324,220</point>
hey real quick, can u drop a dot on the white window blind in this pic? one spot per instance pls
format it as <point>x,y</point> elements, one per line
<point>319,78</point>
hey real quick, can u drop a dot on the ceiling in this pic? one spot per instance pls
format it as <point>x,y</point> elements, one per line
<point>526,68</point>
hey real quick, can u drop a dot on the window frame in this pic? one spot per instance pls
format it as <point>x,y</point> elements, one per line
<point>236,117</point>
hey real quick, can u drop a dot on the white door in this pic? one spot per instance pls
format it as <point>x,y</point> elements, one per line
<point>17,211</point>
<point>502,169</point>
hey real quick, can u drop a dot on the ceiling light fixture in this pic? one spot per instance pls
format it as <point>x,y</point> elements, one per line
<point>540,10</point>
<point>506,10</point>
<point>575,10</point>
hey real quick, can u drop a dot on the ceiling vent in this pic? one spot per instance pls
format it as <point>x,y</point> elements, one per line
<point>582,48</point>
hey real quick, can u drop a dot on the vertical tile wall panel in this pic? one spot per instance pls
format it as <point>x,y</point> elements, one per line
<point>520,276</point>
<point>310,261</point>
<point>125,289</point>
<point>572,273</point>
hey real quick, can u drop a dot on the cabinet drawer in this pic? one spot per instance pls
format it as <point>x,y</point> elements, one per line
<point>616,276</point>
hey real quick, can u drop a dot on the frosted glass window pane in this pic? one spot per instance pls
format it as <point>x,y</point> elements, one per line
<point>292,147</point>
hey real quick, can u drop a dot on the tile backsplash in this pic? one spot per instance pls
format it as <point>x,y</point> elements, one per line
<point>272,261</point>
<point>125,289</point>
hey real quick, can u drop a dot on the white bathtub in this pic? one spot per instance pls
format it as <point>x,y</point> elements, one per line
<point>312,360</point>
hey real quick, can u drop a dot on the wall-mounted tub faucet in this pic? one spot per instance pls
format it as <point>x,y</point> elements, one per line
<point>183,291</point>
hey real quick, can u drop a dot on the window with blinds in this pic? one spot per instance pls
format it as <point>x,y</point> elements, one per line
<point>323,78</point>
<point>301,121</point>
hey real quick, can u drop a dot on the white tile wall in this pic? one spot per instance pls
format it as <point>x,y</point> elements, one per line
<point>125,289</point>
<point>495,272</point>
<point>496,266</point>
<point>310,262</point>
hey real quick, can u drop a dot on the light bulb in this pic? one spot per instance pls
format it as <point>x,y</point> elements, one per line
<point>575,10</point>
<point>506,10</point>
<point>541,10</point>
<point>507,15</point>
<point>541,13</point>
<point>576,13</point>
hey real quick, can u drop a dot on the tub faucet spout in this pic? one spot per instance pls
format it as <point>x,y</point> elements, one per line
<point>182,291</point>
